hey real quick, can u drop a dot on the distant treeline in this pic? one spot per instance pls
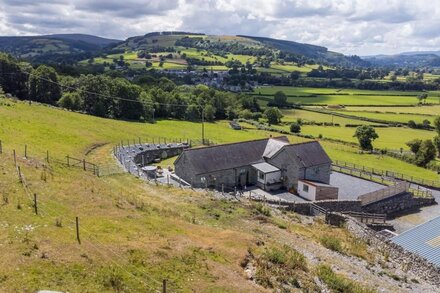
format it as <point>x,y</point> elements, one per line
<point>115,97</point>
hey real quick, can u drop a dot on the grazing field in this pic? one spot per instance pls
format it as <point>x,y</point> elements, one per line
<point>291,115</point>
<point>307,91</point>
<point>389,138</point>
<point>401,118</point>
<point>326,96</point>
<point>133,234</point>
<point>422,110</point>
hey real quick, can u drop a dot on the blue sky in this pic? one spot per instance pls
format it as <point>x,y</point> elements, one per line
<point>362,27</point>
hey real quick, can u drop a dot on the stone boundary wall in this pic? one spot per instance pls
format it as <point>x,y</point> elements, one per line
<point>397,203</point>
<point>409,262</point>
<point>329,205</point>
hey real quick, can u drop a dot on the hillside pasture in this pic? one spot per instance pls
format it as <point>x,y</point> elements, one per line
<point>399,118</point>
<point>328,96</point>
<point>389,137</point>
<point>291,115</point>
<point>417,110</point>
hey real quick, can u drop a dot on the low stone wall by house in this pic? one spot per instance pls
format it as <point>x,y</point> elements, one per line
<point>409,262</point>
<point>148,156</point>
<point>329,205</point>
<point>397,203</point>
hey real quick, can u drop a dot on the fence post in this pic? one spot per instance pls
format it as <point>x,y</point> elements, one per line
<point>25,151</point>
<point>68,161</point>
<point>47,156</point>
<point>77,230</point>
<point>84,164</point>
<point>19,174</point>
<point>223,189</point>
<point>15,159</point>
<point>1,148</point>
<point>164,286</point>
<point>35,204</point>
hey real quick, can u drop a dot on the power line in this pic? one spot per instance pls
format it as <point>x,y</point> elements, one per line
<point>99,94</point>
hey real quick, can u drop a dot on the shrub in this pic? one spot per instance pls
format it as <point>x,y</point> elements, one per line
<point>295,127</point>
<point>338,283</point>
<point>331,243</point>
<point>261,209</point>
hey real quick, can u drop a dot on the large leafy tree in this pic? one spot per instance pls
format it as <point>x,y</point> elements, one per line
<point>12,78</point>
<point>280,98</point>
<point>273,115</point>
<point>127,104</point>
<point>426,153</point>
<point>44,86</point>
<point>365,135</point>
<point>97,95</point>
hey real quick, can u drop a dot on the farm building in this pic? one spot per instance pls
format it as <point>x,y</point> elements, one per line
<point>316,190</point>
<point>271,164</point>
<point>423,240</point>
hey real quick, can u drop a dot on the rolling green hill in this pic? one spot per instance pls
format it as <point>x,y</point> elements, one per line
<point>42,48</point>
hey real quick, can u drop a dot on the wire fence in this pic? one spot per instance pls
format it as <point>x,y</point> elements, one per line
<point>84,235</point>
<point>387,174</point>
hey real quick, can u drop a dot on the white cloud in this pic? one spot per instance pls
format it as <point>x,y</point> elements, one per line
<point>349,26</point>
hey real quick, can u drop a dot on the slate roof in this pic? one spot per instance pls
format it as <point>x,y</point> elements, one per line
<point>228,156</point>
<point>273,146</point>
<point>423,240</point>
<point>309,153</point>
<point>265,167</point>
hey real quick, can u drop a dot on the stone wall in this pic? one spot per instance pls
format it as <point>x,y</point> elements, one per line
<point>409,262</point>
<point>397,203</point>
<point>148,156</point>
<point>329,205</point>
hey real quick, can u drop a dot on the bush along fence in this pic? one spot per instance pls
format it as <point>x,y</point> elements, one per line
<point>346,167</point>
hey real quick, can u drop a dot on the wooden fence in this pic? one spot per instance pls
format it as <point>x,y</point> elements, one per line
<point>384,193</point>
<point>367,218</point>
<point>390,174</point>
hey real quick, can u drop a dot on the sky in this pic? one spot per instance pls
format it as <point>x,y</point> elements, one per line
<point>362,27</point>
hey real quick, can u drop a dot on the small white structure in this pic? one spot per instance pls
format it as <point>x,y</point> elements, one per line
<point>313,190</point>
<point>268,176</point>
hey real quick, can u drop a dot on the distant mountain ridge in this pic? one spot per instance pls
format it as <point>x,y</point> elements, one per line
<point>406,59</point>
<point>70,48</point>
<point>55,47</point>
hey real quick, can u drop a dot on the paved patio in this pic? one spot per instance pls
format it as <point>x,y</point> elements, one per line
<point>350,188</point>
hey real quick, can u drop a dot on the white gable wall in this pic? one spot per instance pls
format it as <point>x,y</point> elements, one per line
<point>306,191</point>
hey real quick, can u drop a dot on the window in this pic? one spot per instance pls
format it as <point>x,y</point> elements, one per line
<point>260,175</point>
<point>305,188</point>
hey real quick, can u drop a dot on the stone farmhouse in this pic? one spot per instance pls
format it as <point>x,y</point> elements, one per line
<point>271,164</point>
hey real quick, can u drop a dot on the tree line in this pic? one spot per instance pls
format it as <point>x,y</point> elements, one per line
<point>146,98</point>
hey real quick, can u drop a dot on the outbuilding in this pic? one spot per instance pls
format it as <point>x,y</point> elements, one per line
<point>313,190</point>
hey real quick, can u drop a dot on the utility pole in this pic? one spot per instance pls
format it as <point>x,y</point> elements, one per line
<point>203,125</point>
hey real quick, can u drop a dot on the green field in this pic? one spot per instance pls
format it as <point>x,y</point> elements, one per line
<point>327,96</point>
<point>422,110</point>
<point>307,116</point>
<point>401,118</point>
<point>389,138</point>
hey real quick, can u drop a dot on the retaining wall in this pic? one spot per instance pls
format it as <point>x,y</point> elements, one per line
<point>409,262</point>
